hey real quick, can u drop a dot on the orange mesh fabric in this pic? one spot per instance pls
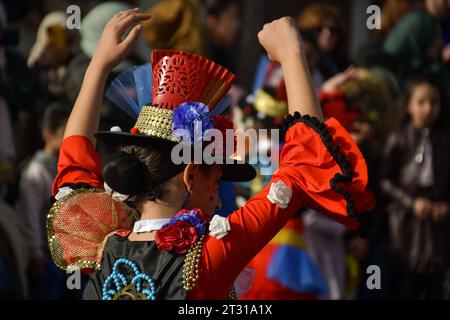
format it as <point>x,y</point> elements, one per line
<point>78,226</point>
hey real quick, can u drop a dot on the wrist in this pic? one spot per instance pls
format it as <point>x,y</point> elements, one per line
<point>99,67</point>
<point>293,53</point>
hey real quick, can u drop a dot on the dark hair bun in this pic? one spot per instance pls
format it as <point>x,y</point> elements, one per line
<point>125,174</point>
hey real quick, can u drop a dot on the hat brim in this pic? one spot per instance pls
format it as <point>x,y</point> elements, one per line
<point>237,171</point>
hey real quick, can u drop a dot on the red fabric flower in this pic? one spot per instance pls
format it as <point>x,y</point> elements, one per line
<point>177,237</point>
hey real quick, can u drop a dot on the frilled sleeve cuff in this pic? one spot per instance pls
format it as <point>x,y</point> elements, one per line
<point>329,169</point>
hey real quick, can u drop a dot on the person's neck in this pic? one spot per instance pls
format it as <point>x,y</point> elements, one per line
<point>153,210</point>
<point>158,210</point>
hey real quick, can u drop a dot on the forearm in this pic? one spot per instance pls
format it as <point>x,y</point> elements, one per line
<point>85,115</point>
<point>300,91</point>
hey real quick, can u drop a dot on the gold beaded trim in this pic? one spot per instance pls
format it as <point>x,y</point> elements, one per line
<point>232,295</point>
<point>55,247</point>
<point>157,122</point>
<point>191,268</point>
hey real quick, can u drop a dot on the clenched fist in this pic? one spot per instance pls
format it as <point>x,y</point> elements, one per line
<point>280,38</point>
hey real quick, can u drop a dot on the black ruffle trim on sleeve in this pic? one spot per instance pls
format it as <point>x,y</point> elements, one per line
<point>346,174</point>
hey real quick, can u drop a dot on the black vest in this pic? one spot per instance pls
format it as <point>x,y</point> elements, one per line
<point>163,267</point>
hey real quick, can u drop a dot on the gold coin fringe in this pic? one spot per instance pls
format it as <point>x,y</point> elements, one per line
<point>191,268</point>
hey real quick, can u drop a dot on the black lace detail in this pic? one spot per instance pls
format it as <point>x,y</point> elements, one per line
<point>346,174</point>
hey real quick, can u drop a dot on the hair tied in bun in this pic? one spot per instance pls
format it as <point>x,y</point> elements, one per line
<point>124,176</point>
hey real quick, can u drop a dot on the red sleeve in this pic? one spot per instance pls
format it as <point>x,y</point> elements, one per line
<point>333,177</point>
<point>308,167</point>
<point>78,163</point>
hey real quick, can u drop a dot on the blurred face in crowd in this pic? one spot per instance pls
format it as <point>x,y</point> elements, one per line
<point>53,139</point>
<point>424,105</point>
<point>438,8</point>
<point>224,27</point>
<point>56,50</point>
<point>328,35</point>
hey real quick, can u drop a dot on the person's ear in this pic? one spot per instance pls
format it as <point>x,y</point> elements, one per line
<point>188,176</point>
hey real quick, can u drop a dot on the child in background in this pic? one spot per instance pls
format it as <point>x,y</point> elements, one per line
<point>415,178</point>
<point>35,191</point>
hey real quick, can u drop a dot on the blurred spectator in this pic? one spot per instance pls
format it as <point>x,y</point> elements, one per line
<point>415,179</point>
<point>35,191</point>
<point>416,44</point>
<point>437,8</point>
<point>326,22</point>
<point>13,255</point>
<point>50,55</point>
<point>325,244</point>
<point>362,101</point>
<point>441,10</point>
<point>222,29</point>
<point>7,148</point>
<point>175,25</point>
<point>394,11</point>
<point>371,53</point>
<point>358,98</point>
<point>18,89</point>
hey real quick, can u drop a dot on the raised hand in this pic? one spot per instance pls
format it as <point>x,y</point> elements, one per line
<point>112,46</point>
<point>283,44</point>
<point>334,83</point>
<point>280,38</point>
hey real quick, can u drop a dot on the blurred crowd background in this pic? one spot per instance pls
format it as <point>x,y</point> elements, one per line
<point>389,87</point>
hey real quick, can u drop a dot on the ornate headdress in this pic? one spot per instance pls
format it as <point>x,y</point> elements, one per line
<point>182,88</point>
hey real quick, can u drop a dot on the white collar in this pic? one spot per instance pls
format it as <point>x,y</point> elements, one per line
<point>149,225</point>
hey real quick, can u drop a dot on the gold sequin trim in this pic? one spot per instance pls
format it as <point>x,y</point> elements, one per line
<point>157,122</point>
<point>191,268</point>
<point>56,250</point>
<point>55,247</point>
<point>232,295</point>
